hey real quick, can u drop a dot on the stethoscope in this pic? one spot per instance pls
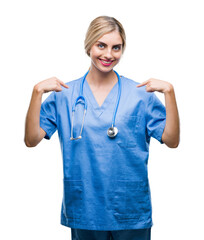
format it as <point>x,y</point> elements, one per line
<point>112,131</point>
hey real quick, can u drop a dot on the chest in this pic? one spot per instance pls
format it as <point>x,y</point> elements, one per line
<point>100,94</point>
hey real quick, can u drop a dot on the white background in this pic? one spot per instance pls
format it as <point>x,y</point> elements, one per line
<point>44,38</point>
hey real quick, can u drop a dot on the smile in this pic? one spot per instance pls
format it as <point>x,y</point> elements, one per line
<point>105,62</point>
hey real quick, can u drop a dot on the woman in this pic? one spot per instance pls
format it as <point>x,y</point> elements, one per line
<point>104,135</point>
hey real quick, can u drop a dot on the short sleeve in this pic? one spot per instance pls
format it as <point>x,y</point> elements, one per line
<point>48,115</point>
<point>156,118</point>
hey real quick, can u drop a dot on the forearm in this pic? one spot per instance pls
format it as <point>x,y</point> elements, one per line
<point>171,134</point>
<point>32,124</point>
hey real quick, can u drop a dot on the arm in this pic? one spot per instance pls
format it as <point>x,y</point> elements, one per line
<point>171,132</point>
<point>33,132</point>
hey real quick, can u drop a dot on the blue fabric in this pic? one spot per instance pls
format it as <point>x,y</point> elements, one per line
<point>106,183</point>
<point>138,234</point>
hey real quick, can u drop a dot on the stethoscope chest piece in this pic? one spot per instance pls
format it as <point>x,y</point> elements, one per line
<point>112,132</point>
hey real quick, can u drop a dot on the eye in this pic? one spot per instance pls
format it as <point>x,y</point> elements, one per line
<point>101,46</point>
<point>116,48</point>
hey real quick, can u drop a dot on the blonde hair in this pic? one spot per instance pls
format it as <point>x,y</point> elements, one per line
<point>100,26</point>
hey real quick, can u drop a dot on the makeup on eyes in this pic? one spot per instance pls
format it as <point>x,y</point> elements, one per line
<point>102,45</point>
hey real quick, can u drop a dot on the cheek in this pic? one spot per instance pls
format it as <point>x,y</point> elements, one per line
<point>118,56</point>
<point>94,52</point>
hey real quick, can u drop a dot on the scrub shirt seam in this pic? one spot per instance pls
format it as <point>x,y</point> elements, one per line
<point>56,112</point>
<point>160,131</point>
<point>145,225</point>
<point>49,133</point>
<point>146,115</point>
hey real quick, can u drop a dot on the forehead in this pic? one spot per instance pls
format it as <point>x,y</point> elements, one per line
<point>113,38</point>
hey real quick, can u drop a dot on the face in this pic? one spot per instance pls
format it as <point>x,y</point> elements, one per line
<point>106,52</point>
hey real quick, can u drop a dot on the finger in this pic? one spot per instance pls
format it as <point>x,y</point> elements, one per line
<point>63,84</point>
<point>142,84</point>
<point>58,88</point>
<point>149,88</point>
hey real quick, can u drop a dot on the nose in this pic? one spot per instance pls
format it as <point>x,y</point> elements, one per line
<point>108,53</point>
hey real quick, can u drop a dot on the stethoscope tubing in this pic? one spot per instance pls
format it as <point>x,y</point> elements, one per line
<point>118,99</point>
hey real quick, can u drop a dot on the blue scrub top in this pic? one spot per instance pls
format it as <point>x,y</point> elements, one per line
<point>105,185</point>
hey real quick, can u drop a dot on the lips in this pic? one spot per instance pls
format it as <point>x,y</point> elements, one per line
<point>105,62</point>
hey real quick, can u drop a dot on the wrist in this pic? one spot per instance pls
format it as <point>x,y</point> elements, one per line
<point>38,90</point>
<point>169,88</point>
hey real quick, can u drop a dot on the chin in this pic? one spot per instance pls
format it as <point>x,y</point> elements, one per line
<point>105,69</point>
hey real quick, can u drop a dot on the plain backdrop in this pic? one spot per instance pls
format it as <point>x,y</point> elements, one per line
<point>44,38</point>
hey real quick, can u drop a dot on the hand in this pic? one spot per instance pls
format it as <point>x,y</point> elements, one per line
<point>156,85</point>
<point>50,84</point>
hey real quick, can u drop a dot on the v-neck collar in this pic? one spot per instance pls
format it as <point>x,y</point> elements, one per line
<point>92,100</point>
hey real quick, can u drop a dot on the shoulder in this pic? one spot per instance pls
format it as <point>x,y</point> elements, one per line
<point>128,80</point>
<point>72,84</point>
<point>130,83</point>
<point>130,86</point>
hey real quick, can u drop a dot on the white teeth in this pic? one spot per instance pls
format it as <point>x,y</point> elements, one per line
<point>106,61</point>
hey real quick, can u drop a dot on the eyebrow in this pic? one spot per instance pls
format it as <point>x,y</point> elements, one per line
<point>106,44</point>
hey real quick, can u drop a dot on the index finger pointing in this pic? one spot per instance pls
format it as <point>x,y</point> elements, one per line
<point>63,84</point>
<point>142,84</point>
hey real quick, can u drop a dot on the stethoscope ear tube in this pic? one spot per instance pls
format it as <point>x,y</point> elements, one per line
<point>76,101</point>
<point>82,125</point>
<point>80,97</point>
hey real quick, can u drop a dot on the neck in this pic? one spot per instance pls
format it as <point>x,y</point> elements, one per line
<point>98,78</point>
